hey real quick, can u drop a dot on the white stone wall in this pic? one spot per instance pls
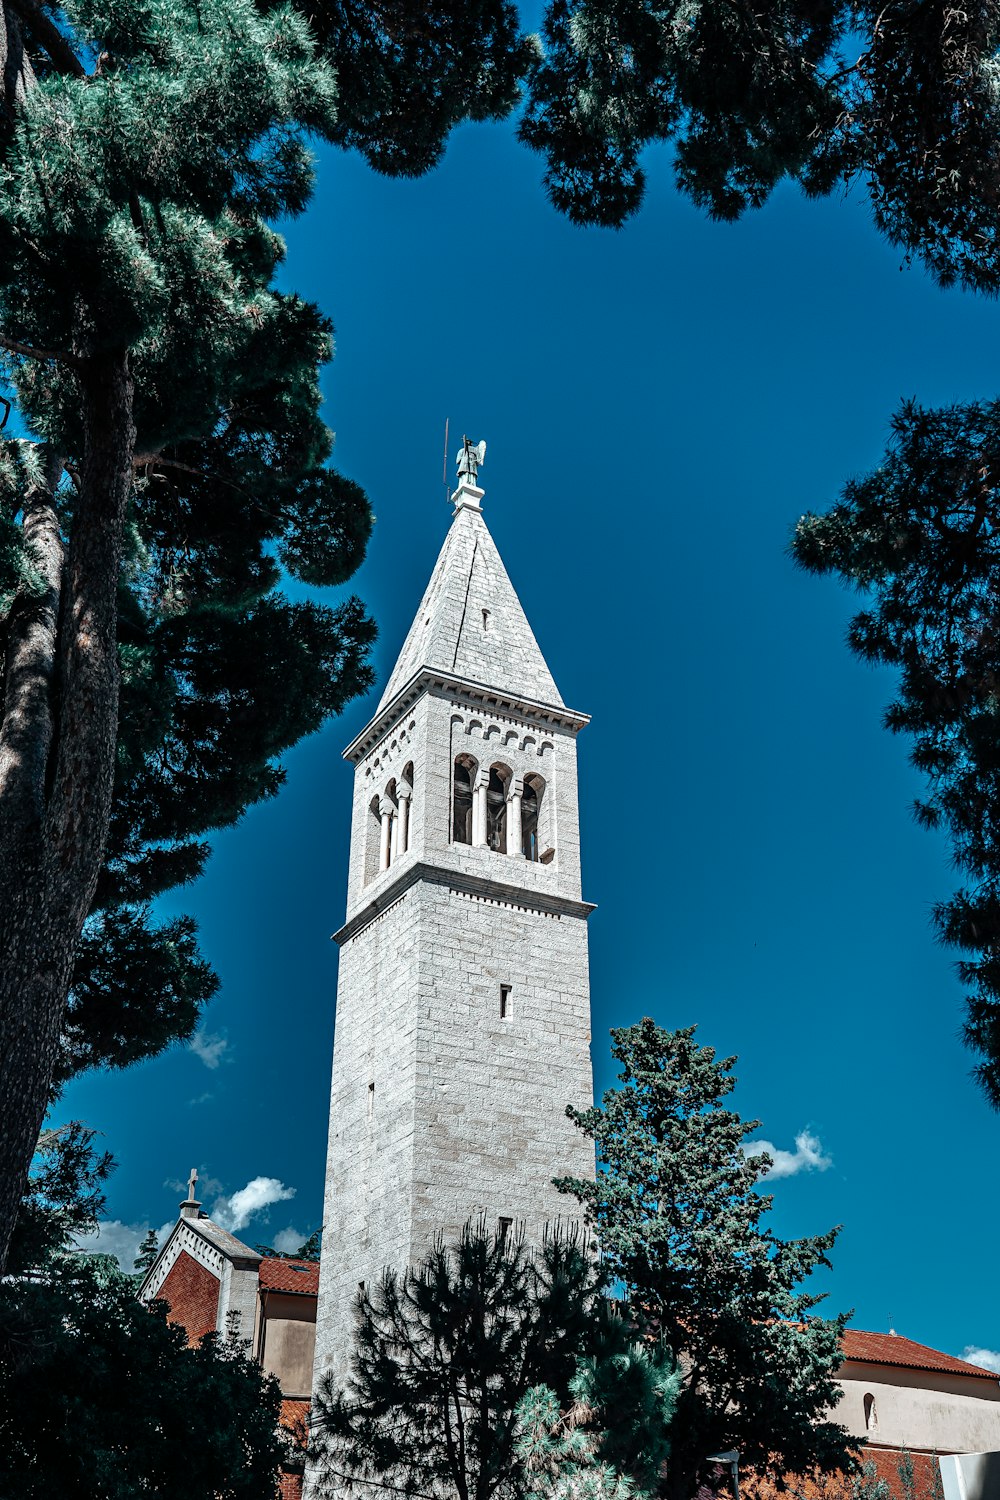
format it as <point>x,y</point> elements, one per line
<point>491,1093</point>
<point>922,1409</point>
<point>369,1186</point>
<point>468,1112</point>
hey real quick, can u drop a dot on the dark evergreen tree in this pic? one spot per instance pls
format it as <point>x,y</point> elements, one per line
<point>444,1354</point>
<point>902,98</point>
<point>153,671</point>
<point>898,96</point>
<point>148,1251</point>
<point>920,536</point>
<point>678,1215</point>
<point>153,674</point>
<point>100,1398</point>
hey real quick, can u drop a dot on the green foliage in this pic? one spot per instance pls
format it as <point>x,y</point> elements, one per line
<point>907,1478</point>
<point>148,1251</point>
<point>407,74</point>
<point>676,1211</point>
<point>901,97</point>
<point>134,199</point>
<point>919,536</point>
<point>100,1399</point>
<point>98,1393</point>
<point>64,1196</point>
<point>613,1439</point>
<point>866,1484</point>
<point>442,1357</point>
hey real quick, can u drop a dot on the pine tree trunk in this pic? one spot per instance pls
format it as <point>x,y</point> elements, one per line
<point>57,762</point>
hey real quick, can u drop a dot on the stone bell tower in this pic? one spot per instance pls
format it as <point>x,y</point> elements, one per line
<point>463,1002</point>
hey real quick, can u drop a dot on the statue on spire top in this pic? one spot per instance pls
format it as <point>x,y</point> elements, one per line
<point>470,456</point>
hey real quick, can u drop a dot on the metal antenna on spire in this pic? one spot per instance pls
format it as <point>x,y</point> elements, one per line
<point>444,461</point>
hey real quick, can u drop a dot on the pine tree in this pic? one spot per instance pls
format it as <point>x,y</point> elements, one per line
<point>153,670</point>
<point>175,467</point>
<point>676,1211</point>
<point>443,1355</point>
<point>148,1251</point>
<point>611,1442</point>
<point>897,97</point>
<point>919,537</point>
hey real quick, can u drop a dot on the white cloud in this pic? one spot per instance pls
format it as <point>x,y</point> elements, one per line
<point>988,1358</point>
<point>210,1046</point>
<point>808,1156</point>
<point>289,1240</point>
<point>236,1211</point>
<point>202,1098</point>
<point>120,1240</point>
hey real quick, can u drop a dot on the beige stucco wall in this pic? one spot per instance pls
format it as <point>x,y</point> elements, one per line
<point>286,1340</point>
<point>918,1409</point>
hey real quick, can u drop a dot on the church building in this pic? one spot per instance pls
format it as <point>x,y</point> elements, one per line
<point>463,1001</point>
<point>463,1031</point>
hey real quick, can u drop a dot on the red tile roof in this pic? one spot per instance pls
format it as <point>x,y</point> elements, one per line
<point>892,1349</point>
<point>295,1416</point>
<point>280,1275</point>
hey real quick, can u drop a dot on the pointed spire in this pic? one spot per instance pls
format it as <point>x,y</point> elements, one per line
<point>470,622</point>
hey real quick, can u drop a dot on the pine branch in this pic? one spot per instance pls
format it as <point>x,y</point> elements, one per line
<point>147,460</point>
<point>49,38</point>
<point>14,346</point>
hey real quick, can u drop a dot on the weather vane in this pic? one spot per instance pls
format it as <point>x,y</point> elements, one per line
<point>470,456</point>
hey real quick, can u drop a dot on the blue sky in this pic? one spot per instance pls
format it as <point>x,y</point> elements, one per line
<point>660,405</point>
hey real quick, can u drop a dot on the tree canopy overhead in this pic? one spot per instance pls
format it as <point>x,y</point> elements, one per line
<point>919,536</point>
<point>901,97</point>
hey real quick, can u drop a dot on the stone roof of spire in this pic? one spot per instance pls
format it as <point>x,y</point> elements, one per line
<point>451,633</point>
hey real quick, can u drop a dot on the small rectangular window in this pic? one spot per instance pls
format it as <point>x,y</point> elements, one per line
<point>503,1228</point>
<point>371,1100</point>
<point>505,1002</point>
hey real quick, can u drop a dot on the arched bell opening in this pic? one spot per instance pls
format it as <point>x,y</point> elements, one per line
<point>531,814</point>
<point>463,782</point>
<point>496,808</point>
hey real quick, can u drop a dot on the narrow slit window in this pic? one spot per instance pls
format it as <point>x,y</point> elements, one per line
<point>503,1229</point>
<point>486,619</point>
<point>505,1002</point>
<point>371,1101</point>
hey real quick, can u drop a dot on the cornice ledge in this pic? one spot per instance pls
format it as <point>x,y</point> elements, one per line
<point>429,677</point>
<point>470,885</point>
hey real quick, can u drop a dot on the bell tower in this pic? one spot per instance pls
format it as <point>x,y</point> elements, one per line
<point>463,1000</point>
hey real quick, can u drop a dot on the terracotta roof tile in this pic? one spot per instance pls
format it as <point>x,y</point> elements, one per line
<point>893,1349</point>
<point>281,1275</point>
<point>295,1416</point>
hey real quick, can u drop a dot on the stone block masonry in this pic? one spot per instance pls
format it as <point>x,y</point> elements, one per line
<point>463,999</point>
